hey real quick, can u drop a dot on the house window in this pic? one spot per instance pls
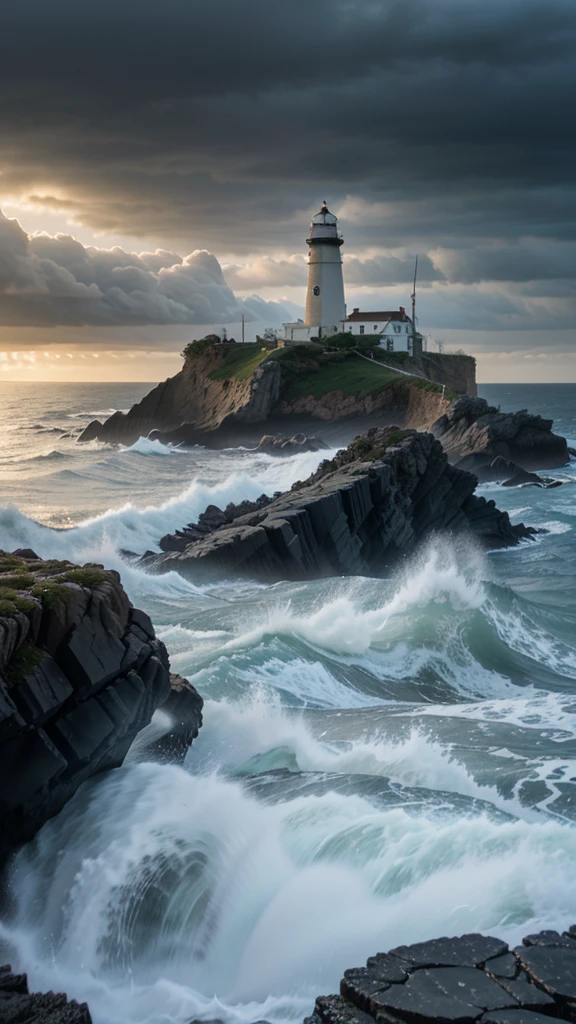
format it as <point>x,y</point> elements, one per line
<point>375,328</point>
<point>292,335</point>
<point>389,344</point>
<point>361,328</point>
<point>397,328</point>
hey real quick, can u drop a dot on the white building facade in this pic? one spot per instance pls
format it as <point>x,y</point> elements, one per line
<point>394,327</point>
<point>325,302</point>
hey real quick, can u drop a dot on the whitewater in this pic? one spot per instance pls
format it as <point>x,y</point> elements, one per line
<point>381,761</point>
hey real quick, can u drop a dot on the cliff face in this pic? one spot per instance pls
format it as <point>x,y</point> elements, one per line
<point>81,673</point>
<point>374,503</point>
<point>403,402</point>
<point>193,397</point>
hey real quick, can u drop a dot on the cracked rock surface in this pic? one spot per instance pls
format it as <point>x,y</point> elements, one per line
<point>460,981</point>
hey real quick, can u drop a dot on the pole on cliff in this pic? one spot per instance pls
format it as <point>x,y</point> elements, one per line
<point>242,328</point>
<point>414,305</point>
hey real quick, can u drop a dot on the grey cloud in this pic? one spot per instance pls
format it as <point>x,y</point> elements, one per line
<point>49,281</point>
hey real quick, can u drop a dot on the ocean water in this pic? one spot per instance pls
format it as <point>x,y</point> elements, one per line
<point>382,760</point>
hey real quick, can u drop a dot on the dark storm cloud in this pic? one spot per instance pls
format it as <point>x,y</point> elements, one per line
<point>49,281</point>
<point>443,128</point>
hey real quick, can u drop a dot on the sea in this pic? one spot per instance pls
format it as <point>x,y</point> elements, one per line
<point>382,761</point>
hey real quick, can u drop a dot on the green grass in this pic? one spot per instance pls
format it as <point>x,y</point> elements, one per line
<point>51,594</point>
<point>84,577</point>
<point>23,662</point>
<point>18,581</point>
<point>354,376</point>
<point>239,362</point>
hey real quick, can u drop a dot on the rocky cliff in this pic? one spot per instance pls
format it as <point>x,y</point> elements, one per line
<point>470,426</point>
<point>81,673</point>
<point>357,515</point>
<point>223,389</point>
<point>460,981</point>
<point>198,398</point>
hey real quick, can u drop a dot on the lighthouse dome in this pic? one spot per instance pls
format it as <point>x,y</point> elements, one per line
<point>324,228</point>
<point>324,217</point>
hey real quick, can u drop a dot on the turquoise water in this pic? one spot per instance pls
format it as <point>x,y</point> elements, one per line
<point>382,761</point>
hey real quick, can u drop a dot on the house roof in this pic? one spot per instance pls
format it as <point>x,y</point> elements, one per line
<point>378,317</point>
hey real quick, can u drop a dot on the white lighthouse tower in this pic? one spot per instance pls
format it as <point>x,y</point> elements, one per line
<point>325,304</point>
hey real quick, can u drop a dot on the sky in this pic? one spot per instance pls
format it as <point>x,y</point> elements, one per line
<point>160,163</point>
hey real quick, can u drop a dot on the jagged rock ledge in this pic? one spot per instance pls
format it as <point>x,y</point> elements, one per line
<point>471,426</point>
<point>358,514</point>
<point>460,981</point>
<point>81,673</point>
<point>19,1006</point>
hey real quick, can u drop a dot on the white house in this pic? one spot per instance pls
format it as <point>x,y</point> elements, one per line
<point>394,327</point>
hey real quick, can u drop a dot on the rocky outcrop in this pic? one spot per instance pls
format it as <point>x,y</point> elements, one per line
<point>19,1006</point>
<point>193,402</point>
<point>209,520</point>
<point>502,471</point>
<point>470,426</point>
<point>460,981</point>
<point>357,515</point>
<point>81,673</point>
<point>279,444</point>
<point>223,389</point>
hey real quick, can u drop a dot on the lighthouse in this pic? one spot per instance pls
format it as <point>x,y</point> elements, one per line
<point>325,304</point>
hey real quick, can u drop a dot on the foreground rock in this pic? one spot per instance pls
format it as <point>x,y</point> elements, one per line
<point>81,673</point>
<point>460,980</point>
<point>472,426</point>
<point>19,1006</point>
<point>358,514</point>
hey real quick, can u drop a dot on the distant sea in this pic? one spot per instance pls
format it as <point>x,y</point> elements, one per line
<point>382,761</point>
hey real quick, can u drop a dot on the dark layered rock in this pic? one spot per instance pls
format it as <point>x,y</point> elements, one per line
<point>502,471</point>
<point>358,514</point>
<point>459,980</point>
<point>471,426</point>
<point>81,673</point>
<point>184,707</point>
<point>19,1006</point>
<point>209,520</point>
<point>279,444</point>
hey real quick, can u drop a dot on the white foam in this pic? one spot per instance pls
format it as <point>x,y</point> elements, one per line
<point>144,446</point>
<point>161,896</point>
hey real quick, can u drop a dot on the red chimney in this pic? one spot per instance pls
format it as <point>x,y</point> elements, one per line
<point>356,309</point>
<point>402,310</point>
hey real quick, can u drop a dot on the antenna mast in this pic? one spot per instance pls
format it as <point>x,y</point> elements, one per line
<point>414,304</point>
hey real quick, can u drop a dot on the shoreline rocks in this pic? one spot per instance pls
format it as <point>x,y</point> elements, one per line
<point>20,1006</point>
<point>502,471</point>
<point>459,981</point>
<point>81,673</point>
<point>471,426</point>
<point>358,514</point>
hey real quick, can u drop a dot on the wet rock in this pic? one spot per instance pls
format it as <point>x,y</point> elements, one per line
<point>549,938</point>
<point>81,673</point>
<point>19,1006</point>
<point>553,968</point>
<point>184,707</point>
<point>470,427</point>
<point>358,514</point>
<point>465,951</point>
<point>460,994</point>
<point>503,966</point>
<point>279,444</point>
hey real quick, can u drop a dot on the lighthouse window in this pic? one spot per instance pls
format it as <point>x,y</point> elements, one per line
<point>361,328</point>
<point>316,289</point>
